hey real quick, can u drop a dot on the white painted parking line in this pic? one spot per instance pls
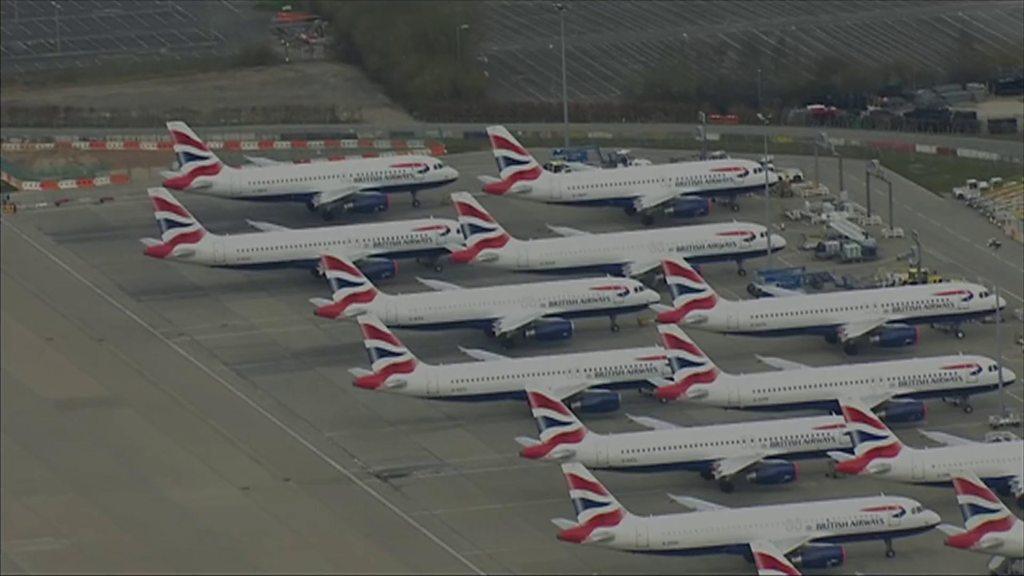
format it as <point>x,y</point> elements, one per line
<point>253,404</point>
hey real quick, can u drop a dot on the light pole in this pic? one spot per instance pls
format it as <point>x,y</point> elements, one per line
<point>56,22</point>
<point>874,168</point>
<point>821,140</point>
<point>458,41</point>
<point>867,187</point>
<point>703,130</point>
<point>766,119</point>
<point>565,91</point>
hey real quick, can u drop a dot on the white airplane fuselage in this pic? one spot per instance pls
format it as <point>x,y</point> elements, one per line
<point>480,307</point>
<point>731,530</point>
<point>610,251</point>
<point>507,378</point>
<point>824,313</point>
<point>699,447</point>
<point>994,462</point>
<point>819,387</point>
<point>287,181</point>
<point>426,237</point>
<point>619,187</point>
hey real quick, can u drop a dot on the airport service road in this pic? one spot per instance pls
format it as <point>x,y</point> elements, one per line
<point>206,419</point>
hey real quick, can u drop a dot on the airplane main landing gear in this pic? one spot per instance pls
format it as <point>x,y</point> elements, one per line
<point>889,552</point>
<point>726,485</point>
<point>415,200</point>
<point>850,348</point>
<point>647,219</point>
<point>740,270</point>
<point>614,324</point>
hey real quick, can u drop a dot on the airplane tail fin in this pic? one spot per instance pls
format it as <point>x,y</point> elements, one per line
<point>597,511</point>
<point>479,229</point>
<point>197,163</point>
<point>689,292</point>
<point>560,430</point>
<point>389,358</point>
<point>690,366</point>
<point>517,169</point>
<point>179,230</point>
<point>982,510</point>
<point>873,441</point>
<point>351,290</point>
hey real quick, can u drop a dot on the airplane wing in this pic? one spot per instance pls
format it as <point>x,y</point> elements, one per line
<point>515,321</point>
<point>874,400</point>
<point>696,503</point>
<point>648,201</point>
<point>566,231</point>
<point>266,226</point>
<point>325,197</point>
<point>439,285</point>
<point>857,329</point>
<point>726,467</point>
<point>946,439</point>
<point>640,267</point>
<point>770,561</point>
<point>779,363</point>
<point>482,355</point>
<point>652,423</point>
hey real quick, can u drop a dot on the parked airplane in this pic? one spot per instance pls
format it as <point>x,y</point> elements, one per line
<point>722,451</point>
<point>881,316</point>
<point>878,452</point>
<point>539,310</point>
<point>631,253</point>
<point>358,185</point>
<point>373,246</point>
<point>676,189</point>
<point>893,388</point>
<point>806,534</point>
<point>989,527</point>
<point>495,377</point>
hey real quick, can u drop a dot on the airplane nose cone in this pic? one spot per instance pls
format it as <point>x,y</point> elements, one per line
<point>778,242</point>
<point>1009,377</point>
<point>1000,302</point>
<point>930,518</point>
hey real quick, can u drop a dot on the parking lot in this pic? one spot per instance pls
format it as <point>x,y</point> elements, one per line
<point>610,45</point>
<point>198,419</point>
<point>40,36</point>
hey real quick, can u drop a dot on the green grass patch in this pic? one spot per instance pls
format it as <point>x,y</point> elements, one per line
<point>941,173</point>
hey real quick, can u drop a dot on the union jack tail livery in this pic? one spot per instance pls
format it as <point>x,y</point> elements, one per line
<point>690,366</point>
<point>517,169</point>
<point>480,230</point>
<point>983,512</point>
<point>180,232</point>
<point>689,291</point>
<point>390,360</point>
<point>197,163</point>
<point>770,561</point>
<point>597,510</point>
<point>559,428</point>
<point>351,290</point>
<point>873,442</point>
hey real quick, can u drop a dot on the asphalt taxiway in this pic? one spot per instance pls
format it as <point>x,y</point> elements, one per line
<point>166,417</point>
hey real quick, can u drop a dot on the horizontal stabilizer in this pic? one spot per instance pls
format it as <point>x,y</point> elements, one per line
<point>949,529</point>
<point>696,503</point>
<point>488,179</point>
<point>482,355</point>
<point>652,423</point>
<point>147,242</point>
<point>360,372</point>
<point>439,285</point>
<point>265,226</point>
<point>779,363</point>
<point>840,456</point>
<point>318,302</point>
<point>563,523</point>
<point>527,441</point>
<point>566,231</point>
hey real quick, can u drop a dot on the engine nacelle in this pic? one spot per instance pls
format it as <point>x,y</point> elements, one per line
<point>819,556</point>
<point>365,203</point>
<point>895,336</point>
<point>689,207</point>
<point>377,269</point>
<point>773,472</point>
<point>596,401</point>
<point>903,411</point>
<point>550,330</point>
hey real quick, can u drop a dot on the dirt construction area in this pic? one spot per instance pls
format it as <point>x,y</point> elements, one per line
<point>320,84</point>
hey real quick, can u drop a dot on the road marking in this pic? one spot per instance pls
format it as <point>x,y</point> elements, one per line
<point>252,403</point>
